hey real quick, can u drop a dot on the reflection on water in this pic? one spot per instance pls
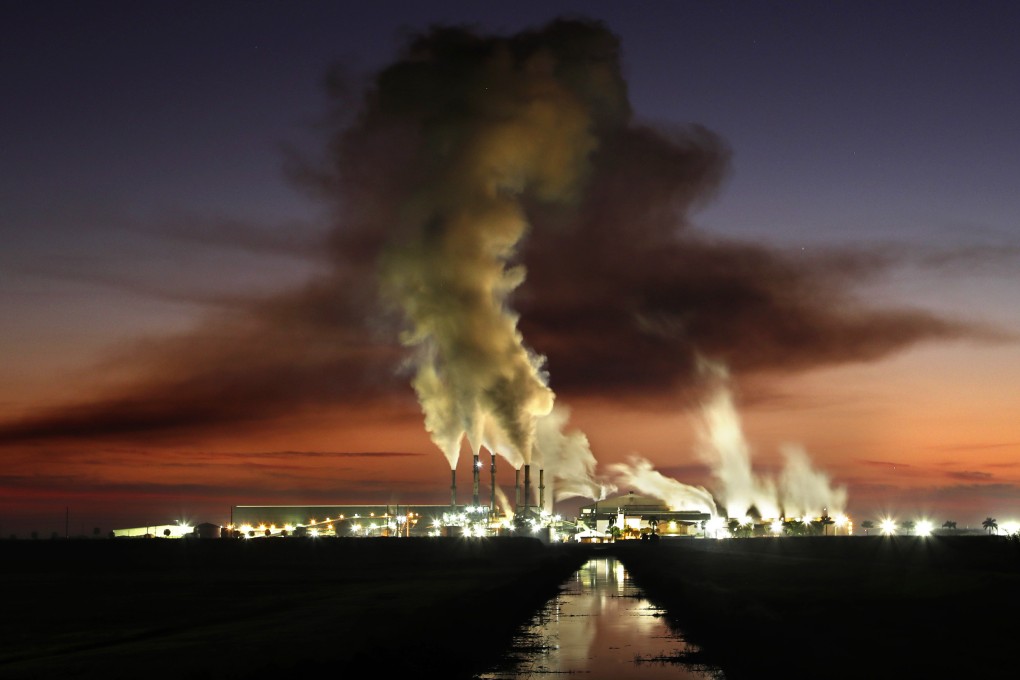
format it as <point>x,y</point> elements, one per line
<point>600,626</point>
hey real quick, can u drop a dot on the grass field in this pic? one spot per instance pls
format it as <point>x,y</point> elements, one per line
<point>287,608</point>
<point>841,607</point>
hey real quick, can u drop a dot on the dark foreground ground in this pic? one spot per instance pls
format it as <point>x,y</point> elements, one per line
<point>290,608</point>
<point>841,607</point>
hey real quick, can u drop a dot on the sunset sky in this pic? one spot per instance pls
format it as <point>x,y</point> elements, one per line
<point>194,197</point>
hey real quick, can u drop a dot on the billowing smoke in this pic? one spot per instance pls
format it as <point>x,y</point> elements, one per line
<point>469,157</point>
<point>800,491</point>
<point>804,491</point>
<point>489,124</point>
<point>639,474</point>
<point>570,456</point>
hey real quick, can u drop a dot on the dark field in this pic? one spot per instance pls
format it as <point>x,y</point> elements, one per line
<point>841,607</point>
<point>825,607</point>
<point>287,608</point>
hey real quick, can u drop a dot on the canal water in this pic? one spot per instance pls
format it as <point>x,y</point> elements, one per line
<point>600,626</point>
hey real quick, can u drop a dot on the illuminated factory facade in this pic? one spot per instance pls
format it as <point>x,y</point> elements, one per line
<point>625,516</point>
<point>633,516</point>
<point>343,520</point>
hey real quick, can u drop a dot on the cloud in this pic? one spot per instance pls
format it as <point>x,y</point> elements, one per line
<point>970,475</point>
<point>613,290</point>
<point>883,463</point>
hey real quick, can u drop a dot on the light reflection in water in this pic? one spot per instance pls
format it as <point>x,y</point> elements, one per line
<point>600,626</point>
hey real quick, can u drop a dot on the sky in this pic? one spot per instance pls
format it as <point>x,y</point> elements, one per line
<point>314,252</point>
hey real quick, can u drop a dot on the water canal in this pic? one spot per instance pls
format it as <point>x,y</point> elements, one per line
<point>600,626</point>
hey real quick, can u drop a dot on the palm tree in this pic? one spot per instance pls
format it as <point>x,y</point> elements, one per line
<point>867,525</point>
<point>949,524</point>
<point>909,525</point>
<point>826,521</point>
<point>990,524</point>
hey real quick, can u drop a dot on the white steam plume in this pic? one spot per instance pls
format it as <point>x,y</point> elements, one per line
<point>801,490</point>
<point>806,492</point>
<point>569,458</point>
<point>639,474</point>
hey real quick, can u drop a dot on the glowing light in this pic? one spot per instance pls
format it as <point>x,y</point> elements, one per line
<point>841,520</point>
<point>776,526</point>
<point>714,525</point>
<point>888,526</point>
<point>924,528</point>
<point>1010,527</point>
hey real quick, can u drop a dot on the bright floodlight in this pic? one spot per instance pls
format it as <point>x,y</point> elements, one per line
<point>841,520</point>
<point>888,526</point>
<point>1011,527</point>
<point>924,528</point>
<point>715,524</point>
<point>746,521</point>
<point>776,526</point>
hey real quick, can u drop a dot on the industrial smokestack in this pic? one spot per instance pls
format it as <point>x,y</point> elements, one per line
<point>453,489</point>
<point>517,489</point>
<point>476,470</point>
<point>492,486</point>
<point>541,488</point>
<point>527,486</point>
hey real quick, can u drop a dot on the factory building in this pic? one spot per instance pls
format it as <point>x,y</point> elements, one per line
<point>632,516</point>
<point>346,520</point>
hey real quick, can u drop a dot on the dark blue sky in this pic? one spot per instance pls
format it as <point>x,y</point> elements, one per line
<point>143,148</point>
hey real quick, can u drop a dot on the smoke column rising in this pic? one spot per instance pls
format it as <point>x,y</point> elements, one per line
<point>801,490</point>
<point>493,120</point>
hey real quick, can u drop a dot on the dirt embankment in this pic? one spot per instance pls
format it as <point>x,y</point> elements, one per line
<point>161,608</point>
<point>841,607</point>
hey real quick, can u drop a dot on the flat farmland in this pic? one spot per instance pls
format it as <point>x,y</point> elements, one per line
<point>162,608</point>
<point>841,607</point>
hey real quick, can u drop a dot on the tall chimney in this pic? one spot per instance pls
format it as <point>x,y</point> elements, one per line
<point>476,469</point>
<point>517,489</point>
<point>541,488</point>
<point>492,486</point>
<point>453,489</point>
<point>527,486</point>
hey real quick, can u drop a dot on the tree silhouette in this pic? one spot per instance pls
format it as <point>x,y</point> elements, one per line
<point>949,524</point>
<point>826,521</point>
<point>867,525</point>
<point>990,524</point>
<point>166,532</point>
<point>909,525</point>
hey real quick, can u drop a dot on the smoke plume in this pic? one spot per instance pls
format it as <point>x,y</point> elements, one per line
<point>638,473</point>
<point>800,491</point>
<point>510,231</point>
<point>487,123</point>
